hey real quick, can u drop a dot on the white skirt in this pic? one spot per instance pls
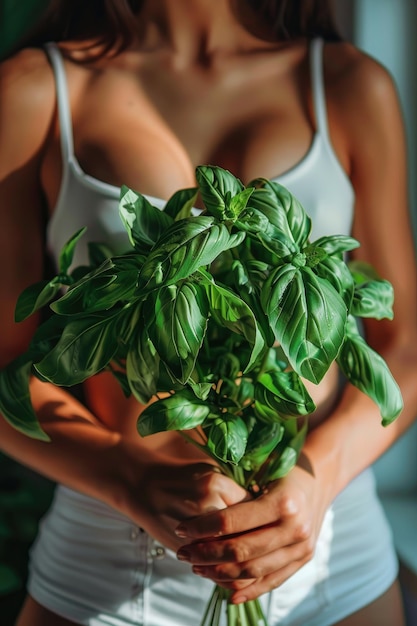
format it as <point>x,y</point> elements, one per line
<point>95,567</point>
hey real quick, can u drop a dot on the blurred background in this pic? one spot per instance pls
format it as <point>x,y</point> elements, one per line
<point>385,29</point>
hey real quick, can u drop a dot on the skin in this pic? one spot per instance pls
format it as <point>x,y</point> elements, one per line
<point>243,103</point>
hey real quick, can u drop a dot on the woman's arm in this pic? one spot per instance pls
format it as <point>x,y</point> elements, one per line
<point>281,527</point>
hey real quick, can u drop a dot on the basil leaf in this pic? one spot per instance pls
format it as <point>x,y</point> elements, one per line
<point>375,299</point>
<point>362,272</point>
<point>284,392</point>
<point>15,403</point>
<point>227,436</point>
<point>250,274</point>
<point>336,244</point>
<point>239,202</point>
<point>217,188</point>
<point>176,321</point>
<point>335,271</point>
<point>201,390</point>
<point>368,371</point>
<point>308,318</point>
<point>46,337</point>
<point>229,311</point>
<point>142,367</point>
<point>35,297</point>
<point>265,414</point>
<point>287,453</point>
<point>113,282</point>
<point>181,203</point>
<point>283,210</point>
<point>177,412</point>
<point>98,253</point>
<point>67,253</point>
<point>85,347</point>
<point>144,223</point>
<point>186,246</point>
<point>262,441</point>
<point>272,238</point>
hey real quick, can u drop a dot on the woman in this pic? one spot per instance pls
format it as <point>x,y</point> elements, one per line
<point>139,93</point>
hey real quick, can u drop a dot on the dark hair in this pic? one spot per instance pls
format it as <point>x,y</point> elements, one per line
<point>111,23</point>
<point>291,19</point>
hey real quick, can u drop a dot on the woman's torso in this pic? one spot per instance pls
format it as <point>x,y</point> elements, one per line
<point>118,126</point>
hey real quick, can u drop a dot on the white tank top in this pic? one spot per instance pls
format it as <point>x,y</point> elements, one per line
<point>318,180</point>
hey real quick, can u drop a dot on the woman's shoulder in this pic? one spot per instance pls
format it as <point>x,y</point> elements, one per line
<point>355,81</point>
<point>362,99</point>
<point>27,69</point>
<point>27,98</point>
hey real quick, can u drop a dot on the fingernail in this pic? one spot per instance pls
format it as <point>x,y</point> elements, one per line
<point>239,600</point>
<point>183,555</point>
<point>181,532</point>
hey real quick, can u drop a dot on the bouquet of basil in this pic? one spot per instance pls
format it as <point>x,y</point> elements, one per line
<point>222,313</point>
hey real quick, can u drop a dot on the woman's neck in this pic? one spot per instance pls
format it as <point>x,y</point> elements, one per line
<point>200,31</point>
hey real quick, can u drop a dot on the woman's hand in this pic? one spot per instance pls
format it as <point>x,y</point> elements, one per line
<point>161,491</point>
<point>253,547</point>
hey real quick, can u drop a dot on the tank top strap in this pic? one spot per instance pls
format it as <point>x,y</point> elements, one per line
<point>64,110</point>
<point>318,88</point>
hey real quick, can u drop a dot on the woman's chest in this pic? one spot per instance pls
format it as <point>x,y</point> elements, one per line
<point>151,130</point>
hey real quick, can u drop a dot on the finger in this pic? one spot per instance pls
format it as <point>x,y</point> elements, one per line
<point>239,518</point>
<point>255,569</point>
<point>265,584</point>
<point>242,548</point>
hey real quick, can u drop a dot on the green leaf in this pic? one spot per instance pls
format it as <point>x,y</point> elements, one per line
<point>98,253</point>
<point>262,440</point>
<point>35,297</point>
<point>287,453</point>
<point>67,253</point>
<point>186,246</point>
<point>250,274</point>
<point>85,347</point>
<point>229,311</point>
<point>113,282</point>
<point>283,210</point>
<point>176,322</point>
<point>15,402</point>
<point>46,337</point>
<point>142,367</point>
<point>229,366</point>
<point>239,201</point>
<point>308,317</point>
<point>227,436</point>
<point>284,392</point>
<point>362,272</point>
<point>181,203</point>
<point>201,390</point>
<point>375,299</point>
<point>143,222</point>
<point>265,414</point>
<point>336,244</point>
<point>336,272</point>
<point>368,371</point>
<point>177,412</point>
<point>274,239</point>
<point>217,188</point>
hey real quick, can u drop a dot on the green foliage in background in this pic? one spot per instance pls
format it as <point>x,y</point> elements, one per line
<point>15,19</point>
<point>24,497</point>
